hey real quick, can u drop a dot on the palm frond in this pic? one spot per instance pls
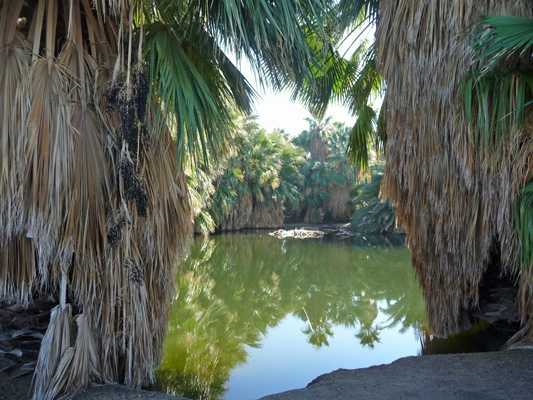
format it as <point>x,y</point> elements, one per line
<point>495,103</point>
<point>269,34</point>
<point>523,219</point>
<point>356,13</point>
<point>197,113</point>
<point>499,37</point>
<point>55,344</point>
<point>496,97</point>
<point>360,137</point>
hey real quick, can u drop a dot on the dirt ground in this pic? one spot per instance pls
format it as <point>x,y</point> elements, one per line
<point>488,376</point>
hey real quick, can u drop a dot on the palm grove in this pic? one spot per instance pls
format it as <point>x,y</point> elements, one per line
<point>105,102</point>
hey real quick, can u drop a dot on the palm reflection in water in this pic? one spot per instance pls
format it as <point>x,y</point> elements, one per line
<point>235,287</point>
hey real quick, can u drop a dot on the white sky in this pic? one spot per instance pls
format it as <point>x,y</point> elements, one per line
<point>276,110</point>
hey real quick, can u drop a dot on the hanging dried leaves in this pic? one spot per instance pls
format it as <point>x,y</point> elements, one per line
<point>455,201</point>
<point>90,203</point>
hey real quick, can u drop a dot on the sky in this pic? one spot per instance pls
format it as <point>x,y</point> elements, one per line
<point>276,110</point>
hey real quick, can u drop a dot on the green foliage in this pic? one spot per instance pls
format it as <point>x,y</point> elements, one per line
<point>196,86</point>
<point>354,82</point>
<point>318,176</point>
<point>270,166</point>
<point>495,102</point>
<point>228,187</point>
<point>524,224</point>
<point>263,164</point>
<point>506,36</point>
<point>371,215</point>
<point>200,190</point>
<point>496,97</point>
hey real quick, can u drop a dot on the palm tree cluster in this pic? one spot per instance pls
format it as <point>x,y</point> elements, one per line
<point>266,178</point>
<point>252,183</point>
<point>327,173</point>
<point>100,101</point>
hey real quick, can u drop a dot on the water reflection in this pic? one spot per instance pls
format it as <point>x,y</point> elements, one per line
<point>234,287</point>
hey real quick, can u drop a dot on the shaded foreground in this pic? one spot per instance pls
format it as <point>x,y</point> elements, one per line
<point>496,375</point>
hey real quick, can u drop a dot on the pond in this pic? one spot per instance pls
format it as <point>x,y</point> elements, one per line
<point>255,315</point>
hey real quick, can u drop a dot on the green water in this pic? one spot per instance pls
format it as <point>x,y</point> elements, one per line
<point>255,315</point>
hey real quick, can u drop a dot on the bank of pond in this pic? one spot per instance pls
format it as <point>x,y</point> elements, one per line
<point>255,315</point>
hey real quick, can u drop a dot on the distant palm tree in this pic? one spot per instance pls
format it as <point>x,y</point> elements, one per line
<point>354,82</point>
<point>94,205</point>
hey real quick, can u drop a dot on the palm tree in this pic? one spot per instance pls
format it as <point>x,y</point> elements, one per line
<point>455,200</point>
<point>260,176</point>
<point>354,82</point>
<point>497,104</point>
<point>95,207</point>
<point>327,175</point>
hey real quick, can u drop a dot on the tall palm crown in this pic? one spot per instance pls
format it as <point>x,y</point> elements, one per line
<point>94,207</point>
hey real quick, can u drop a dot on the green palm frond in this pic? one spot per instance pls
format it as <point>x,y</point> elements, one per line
<point>524,224</point>
<point>269,34</point>
<point>196,84</point>
<point>363,12</point>
<point>495,103</point>
<point>495,98</point>
<point>361,137</point>
<point>499,37</point>
<point>194,107</point>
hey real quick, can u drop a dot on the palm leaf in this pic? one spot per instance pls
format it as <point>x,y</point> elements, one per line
<point>360,138</point>
<point>523,219</point>
<point>498,37</point>
<point>495,98</point>
<point>269,34</point>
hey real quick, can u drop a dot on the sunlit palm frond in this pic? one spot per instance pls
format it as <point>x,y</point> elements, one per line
<point>269,34</point>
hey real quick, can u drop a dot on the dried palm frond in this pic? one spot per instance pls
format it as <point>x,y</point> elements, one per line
<point>14,108</point>
<point>19,271</point>
<point>60,185</point>
<point>455,201</point>
<point>80,365</point>
<point>55,344</point>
